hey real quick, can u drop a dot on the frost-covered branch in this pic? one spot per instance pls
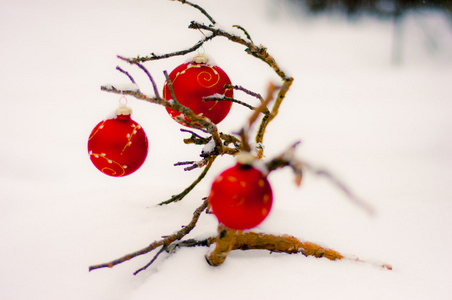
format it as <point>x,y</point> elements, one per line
<point>178,197</point>
<point>274,112</point>
<point>248,36</point>
<point>151,79</point>
<point>262,109</point>
<point>288,159</point>
<point>224,98</point>
<point>154,56</point>
<point>246,91</point>
<point>259,52</point>
<point>126,73</point>
<point>343,187</point>
<point>163,242</point>
<point>202,10</point>
<point>228,240</point>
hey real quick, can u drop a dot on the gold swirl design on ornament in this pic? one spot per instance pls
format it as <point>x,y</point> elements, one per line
<point>98,128</point>
<point>206,79</point>
<point>202,77</point>
<point>112,171</point>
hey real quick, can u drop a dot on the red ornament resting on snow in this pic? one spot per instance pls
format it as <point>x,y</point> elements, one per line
<point>119,146</point>
<point>241,197</point>
<point>196,80</point>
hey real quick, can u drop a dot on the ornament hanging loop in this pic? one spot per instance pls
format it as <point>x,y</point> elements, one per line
<point>201,57</point>
<point>123,109</point>
<point>122,101</point>
<point>201,50</point>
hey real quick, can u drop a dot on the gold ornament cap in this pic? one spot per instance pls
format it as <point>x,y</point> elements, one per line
<point>200,59</point>
<point>123,110</point>
<point>245,158</point>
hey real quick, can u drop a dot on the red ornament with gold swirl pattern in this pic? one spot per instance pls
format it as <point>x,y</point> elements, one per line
<point>241,197</point>
<point>195,80</point>
<point>119,146</point>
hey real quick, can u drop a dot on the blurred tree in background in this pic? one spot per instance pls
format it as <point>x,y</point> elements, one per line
<point>380,8</point>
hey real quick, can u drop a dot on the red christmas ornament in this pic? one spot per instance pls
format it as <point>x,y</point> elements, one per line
<point>195,80</point>
<point>119,146</point>
<point>241,197</point>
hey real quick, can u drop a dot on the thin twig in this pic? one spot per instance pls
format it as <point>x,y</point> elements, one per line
<point>190,243</point>
<point>287,158</point>
<point>230,139</point>
<point>151,262</point>
<point>202,10</point>
<point>154,56</point>
<point>256,51</point>
<point>248,36</point>
<point>275,109</point>
<point>178,197</point>
<point>196,138</point>
<point>126,73</point>
<point>169,83</point>
<point>214,98</point>
<point>199,164</point>
<point>154,85</point>
<point>192,132</point>
<point>343,187</point>
<point>183,163</point>
<point>244,132</point>
<point>246,91</point>
<point>263,107</point>
<point>165,241</point>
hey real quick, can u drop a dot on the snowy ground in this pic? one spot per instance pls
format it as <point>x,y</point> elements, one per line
<point>383,129</point>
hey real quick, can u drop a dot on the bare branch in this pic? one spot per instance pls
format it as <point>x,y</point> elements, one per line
<point>228,240</point>
<point>244,132</point>
<point>154,56</point>
<point>199,8</point>
<point>154,85</point>
<point>263,107</point>
<point>266,120</point>
<point>126,73</point>
<point>230,139</point>
<point>178,197</point>
<point>244,31</point>
<point>163,242</point>
<point>246,91</point>
<point>199,164</point>
<point>214,98</point>
<point>183,163</point>
<point>190,243</point>
<point>151,262</point>
<point>256,51</point>
<point>194,134</point>
<point>287,158</point>
<point>204,123</point>
<point>343,187</point>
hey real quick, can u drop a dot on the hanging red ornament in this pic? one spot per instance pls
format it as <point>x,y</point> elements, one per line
<point>195,80</point>
<point>241,197</point>
<point>118,146</point>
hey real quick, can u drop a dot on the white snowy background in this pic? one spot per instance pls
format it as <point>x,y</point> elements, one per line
<point>384,129</point>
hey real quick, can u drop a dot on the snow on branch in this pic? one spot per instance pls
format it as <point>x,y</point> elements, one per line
<point>166,241</point>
